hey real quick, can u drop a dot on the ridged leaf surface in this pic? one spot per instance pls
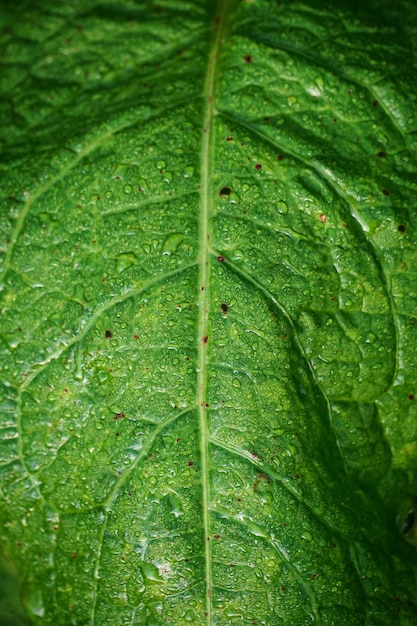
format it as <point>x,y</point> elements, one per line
<point>207,341</point>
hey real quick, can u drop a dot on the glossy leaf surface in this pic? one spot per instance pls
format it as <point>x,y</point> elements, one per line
<point>207,311</point>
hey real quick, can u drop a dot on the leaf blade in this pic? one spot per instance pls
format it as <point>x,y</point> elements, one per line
<point>128,472</point>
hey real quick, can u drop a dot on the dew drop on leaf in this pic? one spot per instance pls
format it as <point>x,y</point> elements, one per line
<point>282,207</point>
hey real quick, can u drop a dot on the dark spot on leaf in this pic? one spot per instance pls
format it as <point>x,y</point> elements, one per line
<point>225,191</point>
<point>381,154</point>
<point>411,396</point>
<point>220,259</point>
<point>375,103</point>
<point>224,307</point>
<point>74,555</point>
<point>135,336</point>
<point>108,334</point>
<point>258,166</point>
<point>117,434</point>
<point>190,463</point>
<point>118,416</point>
<point>229,138</point>
<point>280,157</point>
<point>401,228</point>
<point>217,536</point>
<point>248,58</point>
<point>385,192</point>
<point>205,339</point>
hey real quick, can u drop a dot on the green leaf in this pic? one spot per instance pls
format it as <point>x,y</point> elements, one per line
<point>208,309</point>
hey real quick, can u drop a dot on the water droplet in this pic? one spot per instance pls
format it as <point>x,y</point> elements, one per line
<point>188,171</point>
<point>370,338</point>
<point>103,377</point>
<point>161,164</point>
<point>143,186</point>
<point>128,188</point>
<point>171,243</point>
<point>238,254</point>
<point>150,572</point>
<point>167,177</point>
<point>189,616</point>
<point>236,383</point>
<point>35,604</point>
<point>282,207</point>
<point>234,198</point>
<point>291,450</point>
<point>125,260</point>
<point>176,508</point>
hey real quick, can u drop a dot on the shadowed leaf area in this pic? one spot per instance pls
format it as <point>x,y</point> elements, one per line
<point>208,296</point>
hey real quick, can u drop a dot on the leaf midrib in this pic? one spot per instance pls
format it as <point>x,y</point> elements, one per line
<point>206,160</point>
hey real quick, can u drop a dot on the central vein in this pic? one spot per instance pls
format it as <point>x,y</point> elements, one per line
<point>207,146</point>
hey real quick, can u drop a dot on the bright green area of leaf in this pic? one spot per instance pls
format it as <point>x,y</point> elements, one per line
<point>208,305</point>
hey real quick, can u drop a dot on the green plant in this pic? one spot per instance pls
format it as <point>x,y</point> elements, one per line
<point>208,311</point>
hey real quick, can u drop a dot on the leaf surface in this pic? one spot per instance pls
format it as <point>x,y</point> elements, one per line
<point>208,306</point>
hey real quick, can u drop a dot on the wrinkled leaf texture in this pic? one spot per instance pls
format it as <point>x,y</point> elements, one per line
<point>208,305</point>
